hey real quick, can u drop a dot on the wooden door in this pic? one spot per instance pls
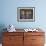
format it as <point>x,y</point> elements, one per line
<point>13,40</point>
<point>34,39</point>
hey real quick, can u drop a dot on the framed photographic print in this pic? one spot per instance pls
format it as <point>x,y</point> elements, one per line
<point>26,14</point>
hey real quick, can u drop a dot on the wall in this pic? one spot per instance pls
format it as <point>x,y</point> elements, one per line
<point>9,13</point>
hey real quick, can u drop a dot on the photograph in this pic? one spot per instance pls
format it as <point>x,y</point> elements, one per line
<point>26,14</point>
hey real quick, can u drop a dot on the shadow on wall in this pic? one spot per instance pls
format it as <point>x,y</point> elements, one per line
<point>2,26</point>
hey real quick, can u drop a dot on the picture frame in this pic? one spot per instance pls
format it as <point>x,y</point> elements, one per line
<point>26,14</point>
